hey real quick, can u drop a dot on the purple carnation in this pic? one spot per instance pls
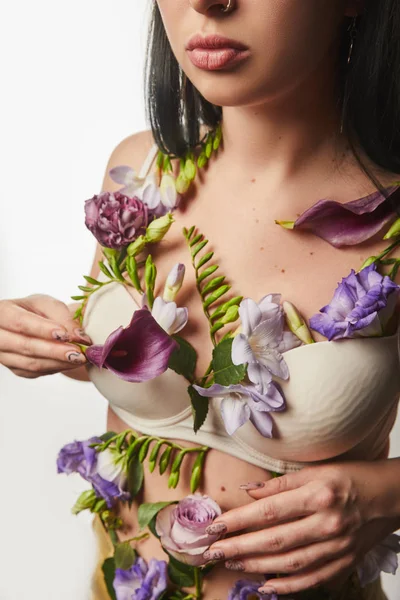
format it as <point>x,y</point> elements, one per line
<point>247,589</point>
<point>116,220</point>
<point>141,581</point>
<point>103,470</point>
<point>362,305</point>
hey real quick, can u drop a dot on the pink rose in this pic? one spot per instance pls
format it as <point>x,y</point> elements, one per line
<point>182,528</point>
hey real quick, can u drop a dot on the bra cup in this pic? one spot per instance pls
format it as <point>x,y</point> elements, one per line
<point>161,397</point>
<point>336,394</point>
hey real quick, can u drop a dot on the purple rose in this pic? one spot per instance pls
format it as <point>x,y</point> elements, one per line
<point>141,581</point>
<point>104,470</point>
<point>116,220</point>
<point>362,305</point>
<point>136,353</point>
<point>182,528</point>
<point>247,589</point>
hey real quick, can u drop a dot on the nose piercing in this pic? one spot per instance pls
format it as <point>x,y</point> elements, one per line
<point>228,7</point>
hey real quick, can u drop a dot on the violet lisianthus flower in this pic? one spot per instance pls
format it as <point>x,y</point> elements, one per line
<point>104,470</point>
<point>142,581</point>
<point>247,589</point>
<point>349,223</point>
<point>362,306</point>
<point>382,557</point>
<point>115,219</point>
<point>263,340</point>
<point>242,403</point>
<point>136,353</point>
<point>182,528</point>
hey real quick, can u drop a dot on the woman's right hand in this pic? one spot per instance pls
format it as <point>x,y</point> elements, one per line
<point>34,336</point>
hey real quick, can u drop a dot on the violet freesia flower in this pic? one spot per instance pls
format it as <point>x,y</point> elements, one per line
<point>349,223</point>
<point>136,353</point>
<point>171,318</point>
<point>247,589</point>
<point>263,340</point>
<point>142,581</point>
<point>362,305</point>
<point>382,557</point>
<point>104,470</point>
<point>115,219</point>
<point>182,528</point>
<point>242,403</point>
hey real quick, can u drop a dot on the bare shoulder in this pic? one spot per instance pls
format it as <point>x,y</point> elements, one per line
<point>130,151</point>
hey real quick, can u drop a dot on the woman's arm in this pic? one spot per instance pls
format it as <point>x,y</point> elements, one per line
<point>130,151</point>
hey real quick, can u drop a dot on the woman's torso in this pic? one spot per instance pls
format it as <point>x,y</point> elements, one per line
<point>237,215</point>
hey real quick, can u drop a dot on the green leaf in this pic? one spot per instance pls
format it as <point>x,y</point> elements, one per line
<point>216,295</point>
<point>212,284</point>
<point>91,280</point>
<point>221,310</point>
<point>85,288</point>
<point>225,372</point>
<point>124,556</point>
<point>183,359</point>
<point>77,313</point>
<point>131,267</point>
<point>107,436</point>
<point>208,271</point>
<point>164,459</point>
<point>115,267</point>
<point>154,454</point>
<point>196,239</point>
<point>199,247</point>
<point>144,449</point>
<point>199,408</point>
<point>204,259</point>
<point>135,476</point>
<point>78,297</point>
<point>105,270</point>
<point>148,510</point>
<point>179,573</point>
<point>190,232</point>
<point>108,568</point>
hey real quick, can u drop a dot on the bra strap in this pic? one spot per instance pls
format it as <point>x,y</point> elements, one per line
<point>148,161</point>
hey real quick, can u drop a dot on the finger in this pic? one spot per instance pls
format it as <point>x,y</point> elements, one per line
<point>14,343</point>
<point>297,560</point>
<point>281,538</point>
<point>39,365</point>
<point>314,578</point>
<point>275,485</point>
<point>40,316</point>
<point>266,511</point>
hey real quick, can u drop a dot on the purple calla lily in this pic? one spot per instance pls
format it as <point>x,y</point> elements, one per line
<point>349,223</point>
<point>242,403</point>
<point>136,353</point>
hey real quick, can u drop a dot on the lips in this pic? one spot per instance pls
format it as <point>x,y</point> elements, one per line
<point>213,42</point>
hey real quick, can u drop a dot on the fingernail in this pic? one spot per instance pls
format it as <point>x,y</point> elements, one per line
<point>266,590</point>
<point>61,336</point>
<point>81,333</point>
<point>214,554</point>
<point>216,528</point>
<point>75,357</point>
<point>234,565</point>
<point>253,485</point>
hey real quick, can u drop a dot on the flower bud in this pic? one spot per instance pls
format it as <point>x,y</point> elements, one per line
<point>285,224</point>
<point>231,315</point>
<point>296,323</point>
<point>168,190</point>
<point>369,261</point>
<point>182,183</point>
<point>158,228</point>
<point>174,282</point>
<point>137,246</point>
<point>190,169</point>
<point>393,231</point>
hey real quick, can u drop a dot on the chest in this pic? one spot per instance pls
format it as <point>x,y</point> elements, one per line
<point>256,256</point>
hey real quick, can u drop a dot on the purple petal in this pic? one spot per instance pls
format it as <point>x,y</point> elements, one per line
<point>259,375</point>
<point>262,422</point>
<point>235,413</point>
<point>122,174</point>
<point>250,314</point>
<point>352,222</point>
<point>241,350</point>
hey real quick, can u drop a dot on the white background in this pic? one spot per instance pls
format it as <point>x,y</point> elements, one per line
<point>71,91</point>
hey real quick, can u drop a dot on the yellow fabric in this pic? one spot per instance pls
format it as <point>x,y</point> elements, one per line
<point>352,591</point>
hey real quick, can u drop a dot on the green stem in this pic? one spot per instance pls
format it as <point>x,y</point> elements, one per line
<point>389,249</point>
<point>197,580</point>
<point>113,536</point>
<point>138,538</point>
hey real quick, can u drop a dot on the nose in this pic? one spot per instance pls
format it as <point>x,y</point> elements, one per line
<point>207,6</point>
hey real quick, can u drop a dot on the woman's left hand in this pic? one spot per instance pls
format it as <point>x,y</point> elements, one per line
<point>313,526</point>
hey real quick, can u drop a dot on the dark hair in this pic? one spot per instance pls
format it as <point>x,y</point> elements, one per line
<point>368,89</point>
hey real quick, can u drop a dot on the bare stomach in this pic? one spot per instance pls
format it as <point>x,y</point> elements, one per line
<point>223,474</point>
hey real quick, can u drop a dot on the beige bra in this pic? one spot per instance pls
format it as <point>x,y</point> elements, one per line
<point>341,397</point>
